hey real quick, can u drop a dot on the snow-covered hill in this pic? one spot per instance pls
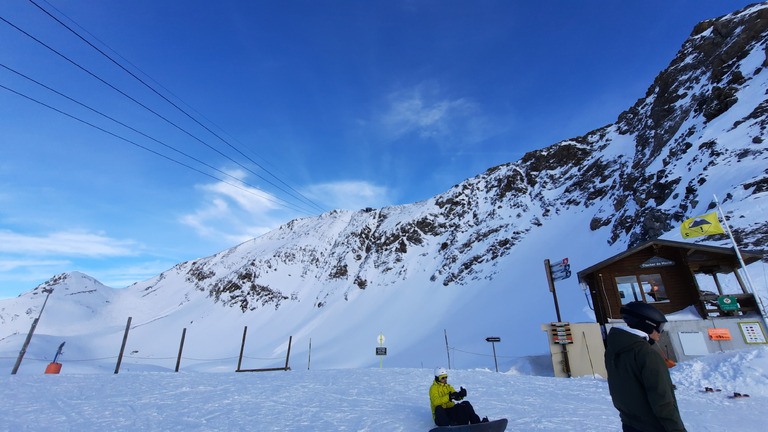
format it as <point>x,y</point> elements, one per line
<point>372,400</point>
<point>461,266</point>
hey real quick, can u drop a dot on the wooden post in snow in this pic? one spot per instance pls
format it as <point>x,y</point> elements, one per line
<point>447,349</point>
<point>181,348</point>
<point>242,347</point>
<point>287,356</point>
<point>551,282</point>
<point>122,347</point>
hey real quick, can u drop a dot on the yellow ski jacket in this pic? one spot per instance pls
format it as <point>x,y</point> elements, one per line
<point>438,396</point>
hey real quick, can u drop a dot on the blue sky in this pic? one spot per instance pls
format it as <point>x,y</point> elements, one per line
<point>285,109</point>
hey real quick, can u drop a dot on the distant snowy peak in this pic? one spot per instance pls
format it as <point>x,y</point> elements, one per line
<point>698,131</point>
<point>72,284</point>
<point>82,294</point>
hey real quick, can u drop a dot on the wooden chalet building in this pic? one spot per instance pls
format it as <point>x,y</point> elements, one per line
<point>662,273</point>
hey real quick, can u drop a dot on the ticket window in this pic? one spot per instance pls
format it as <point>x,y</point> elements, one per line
<point>646,287</point>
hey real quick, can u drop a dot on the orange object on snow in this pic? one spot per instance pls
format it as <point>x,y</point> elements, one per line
<point>53,368</point>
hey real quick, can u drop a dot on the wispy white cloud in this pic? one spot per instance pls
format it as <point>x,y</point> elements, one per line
<point>69,243</point>
<point>27,260</point>
<point>249,199</point>
<point>350,195</point>
<point>425,111</point>
<point>124,275</point>
<point>7,265</point>
<point>416,111</point>
<point>27,273</point>
<point>17,276</point>
<point>234,214</point>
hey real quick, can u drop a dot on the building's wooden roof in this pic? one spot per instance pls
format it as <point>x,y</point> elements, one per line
<point>694,251</point>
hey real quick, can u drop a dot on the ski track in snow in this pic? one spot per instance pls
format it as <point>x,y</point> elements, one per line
<point>364,399</point>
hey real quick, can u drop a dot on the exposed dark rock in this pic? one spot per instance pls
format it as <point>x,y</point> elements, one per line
<point>640,189</point>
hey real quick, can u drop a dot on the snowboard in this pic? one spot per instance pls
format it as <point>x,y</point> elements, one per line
<point>499,425</point>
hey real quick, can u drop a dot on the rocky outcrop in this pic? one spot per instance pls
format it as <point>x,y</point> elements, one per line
<point>638,178</point>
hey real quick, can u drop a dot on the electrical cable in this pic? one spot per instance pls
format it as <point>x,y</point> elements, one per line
<point>484,355</point>
<point>168,91</point>
<point>266,196</point>
<point>138,103</point>
<point>589,304</point>
<point>176,106</point>
<point>128,140</point>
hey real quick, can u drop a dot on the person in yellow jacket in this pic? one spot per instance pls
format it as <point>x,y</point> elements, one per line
<point>446,412</point>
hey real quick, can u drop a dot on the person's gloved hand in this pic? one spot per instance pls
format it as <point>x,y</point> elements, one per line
<point>453,396</point>
<point>461,394</point>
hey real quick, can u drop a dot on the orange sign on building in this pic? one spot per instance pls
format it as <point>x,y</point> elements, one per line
<point>719,334</point>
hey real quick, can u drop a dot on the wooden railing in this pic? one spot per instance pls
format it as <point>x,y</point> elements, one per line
<point>746,302</point>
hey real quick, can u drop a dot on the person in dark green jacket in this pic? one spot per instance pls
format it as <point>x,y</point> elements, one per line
<point>638,377</point>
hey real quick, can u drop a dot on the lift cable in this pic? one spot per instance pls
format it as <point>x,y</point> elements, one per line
<point>266,196</point>
<point>174,105</point>
<point>260,193</point>
<point>140,104</point>
<point>160,85</point>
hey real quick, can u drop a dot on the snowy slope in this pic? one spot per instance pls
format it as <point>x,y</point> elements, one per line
<point>465,264</point>
<point>386,400</point>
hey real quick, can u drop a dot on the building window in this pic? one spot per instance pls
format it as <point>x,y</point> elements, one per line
<point>628,289</point>
<point>646,287</point>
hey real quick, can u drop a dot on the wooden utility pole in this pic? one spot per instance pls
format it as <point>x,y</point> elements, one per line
<point>31,332</point>
<point>122,347</point>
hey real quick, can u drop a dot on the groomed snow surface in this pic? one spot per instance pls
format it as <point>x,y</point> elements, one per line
<point>375,399</point>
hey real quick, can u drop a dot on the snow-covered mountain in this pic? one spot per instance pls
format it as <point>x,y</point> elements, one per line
<point>463,265</point>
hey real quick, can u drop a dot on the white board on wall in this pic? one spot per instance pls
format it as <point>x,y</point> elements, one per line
<point>693,343</point>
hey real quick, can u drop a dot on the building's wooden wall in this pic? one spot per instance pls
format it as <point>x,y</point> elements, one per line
<point>678,280</point>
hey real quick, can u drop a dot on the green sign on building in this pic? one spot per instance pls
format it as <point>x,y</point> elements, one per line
<point>728,303</point>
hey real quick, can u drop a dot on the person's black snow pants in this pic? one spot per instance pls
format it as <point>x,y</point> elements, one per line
<point>459,414</point>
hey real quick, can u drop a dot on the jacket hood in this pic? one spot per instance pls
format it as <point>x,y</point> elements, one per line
<point>624,338</point>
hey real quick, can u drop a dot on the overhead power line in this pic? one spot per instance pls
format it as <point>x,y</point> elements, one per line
<point>266,196</point>
<point>168,91</point>
<point>260,194</point>
<point>118,64</point>
<point>143,106</point>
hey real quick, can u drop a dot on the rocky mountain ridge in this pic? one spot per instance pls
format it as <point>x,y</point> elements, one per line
<point>697,131</point>
<point>639,195</point>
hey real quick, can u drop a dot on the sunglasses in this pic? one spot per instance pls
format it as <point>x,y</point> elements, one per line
<point>442,377</point>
